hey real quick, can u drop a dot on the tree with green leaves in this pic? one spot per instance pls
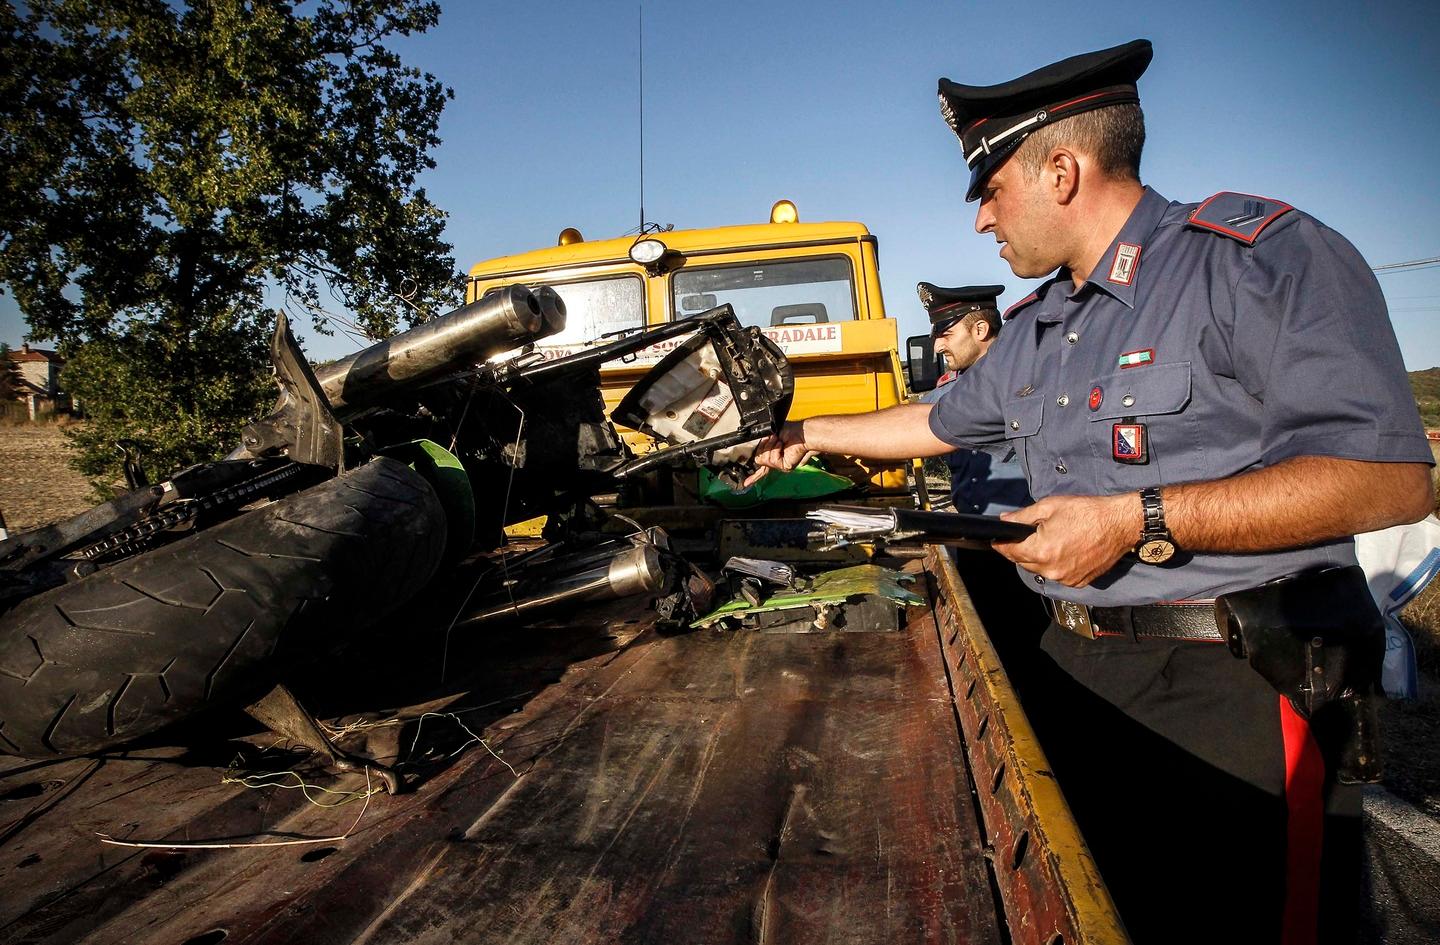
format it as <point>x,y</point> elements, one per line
<point>169,165</point>
<point>9,376</point>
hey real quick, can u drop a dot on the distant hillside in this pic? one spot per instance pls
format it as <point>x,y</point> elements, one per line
<point>1426,385</point>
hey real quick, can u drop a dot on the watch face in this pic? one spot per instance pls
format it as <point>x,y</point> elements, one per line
<point>1155,551</point>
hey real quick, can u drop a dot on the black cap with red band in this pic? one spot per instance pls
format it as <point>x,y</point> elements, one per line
<point>946,306</point>
<point>992,120</point>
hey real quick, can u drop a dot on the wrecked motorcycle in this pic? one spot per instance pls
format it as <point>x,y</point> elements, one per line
<point>372,475</point>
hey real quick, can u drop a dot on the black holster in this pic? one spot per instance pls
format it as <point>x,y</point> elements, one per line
<point>1319,640</point>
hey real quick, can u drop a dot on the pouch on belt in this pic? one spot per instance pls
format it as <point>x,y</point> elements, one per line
<point>1318,639</point>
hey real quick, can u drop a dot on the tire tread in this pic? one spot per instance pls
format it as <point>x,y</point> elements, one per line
<point>284,583</point>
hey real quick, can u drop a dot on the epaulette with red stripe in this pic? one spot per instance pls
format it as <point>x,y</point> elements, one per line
<point>1241,217</point>
<point>1014,310</point>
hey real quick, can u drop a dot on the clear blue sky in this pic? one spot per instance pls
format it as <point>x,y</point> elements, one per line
<point>1332,107</point>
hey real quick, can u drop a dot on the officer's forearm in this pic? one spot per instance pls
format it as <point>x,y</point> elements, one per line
<point>1297,502</point>
<point>901,432</point>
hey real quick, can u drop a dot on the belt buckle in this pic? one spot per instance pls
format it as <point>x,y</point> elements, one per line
<point>1075,618</point>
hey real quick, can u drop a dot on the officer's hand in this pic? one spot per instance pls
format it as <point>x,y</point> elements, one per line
<point>783,450</point>
<point>1077,538</point>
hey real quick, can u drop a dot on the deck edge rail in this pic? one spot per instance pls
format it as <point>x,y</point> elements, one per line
<point>1049,884</point>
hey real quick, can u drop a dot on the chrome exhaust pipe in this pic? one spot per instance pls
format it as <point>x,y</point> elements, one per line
<point>504,319</point>
<point>552,310</point>
<point>636,571</point>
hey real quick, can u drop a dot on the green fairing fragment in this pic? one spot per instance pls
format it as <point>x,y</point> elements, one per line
<point>810,481</point>
<point>829,588</point>
<point>447,476</point>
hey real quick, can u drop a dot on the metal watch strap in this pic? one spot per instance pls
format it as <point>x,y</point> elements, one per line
<point>1153,508</point>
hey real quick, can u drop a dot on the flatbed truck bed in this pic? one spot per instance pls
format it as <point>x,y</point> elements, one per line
<point>711,786</point>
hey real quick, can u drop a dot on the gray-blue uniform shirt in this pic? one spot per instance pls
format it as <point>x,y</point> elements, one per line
<point>982,482</point>
<point>1232,354</point>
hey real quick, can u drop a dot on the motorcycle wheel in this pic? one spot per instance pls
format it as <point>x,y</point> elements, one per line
<point>216,618</point>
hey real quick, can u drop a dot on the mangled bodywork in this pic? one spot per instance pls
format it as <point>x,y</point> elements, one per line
<point>370,476</point>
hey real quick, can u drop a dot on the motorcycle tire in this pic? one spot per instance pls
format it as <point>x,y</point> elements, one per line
<point>214,619</point>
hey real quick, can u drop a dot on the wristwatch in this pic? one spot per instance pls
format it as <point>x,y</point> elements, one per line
<point>1156,546</point>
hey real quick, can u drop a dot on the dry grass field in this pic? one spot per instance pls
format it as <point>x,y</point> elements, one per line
<point>37,487</point>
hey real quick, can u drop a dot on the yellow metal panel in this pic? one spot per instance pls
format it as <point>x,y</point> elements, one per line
<point>834,386</point>
<point>530,528</point>
<point>870,268</point>
<point>657,300</point>
<point>1020,800</point>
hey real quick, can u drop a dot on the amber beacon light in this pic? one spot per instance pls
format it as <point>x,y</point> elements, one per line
<point>784,212</point>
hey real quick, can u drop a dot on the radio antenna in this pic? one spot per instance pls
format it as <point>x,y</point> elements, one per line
<point>640,31</point>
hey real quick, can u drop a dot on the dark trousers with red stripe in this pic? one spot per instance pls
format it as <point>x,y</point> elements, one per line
<point>1203,796</point>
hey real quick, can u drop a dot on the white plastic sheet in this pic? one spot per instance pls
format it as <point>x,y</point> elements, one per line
<point>1398,563</point>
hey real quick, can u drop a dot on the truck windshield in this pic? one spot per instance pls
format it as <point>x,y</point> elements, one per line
<point>771,294</point>
<point>598,307</point>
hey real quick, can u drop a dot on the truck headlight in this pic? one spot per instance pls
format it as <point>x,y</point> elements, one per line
<point>647,252</point>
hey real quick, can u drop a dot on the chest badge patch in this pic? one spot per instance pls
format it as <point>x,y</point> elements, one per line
<point>1128,444</point>
<point>1025,391</point>
<point>1136,358</point>
<point>1122,267</point>
<point>1097,397</point>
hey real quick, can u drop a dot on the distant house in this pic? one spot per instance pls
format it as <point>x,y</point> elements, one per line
<point>39,374</point>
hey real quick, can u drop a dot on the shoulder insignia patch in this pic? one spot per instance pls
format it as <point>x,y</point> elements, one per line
<point>1241,217</point>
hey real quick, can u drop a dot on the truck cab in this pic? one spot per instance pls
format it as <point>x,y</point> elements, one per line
<point>813,288</point>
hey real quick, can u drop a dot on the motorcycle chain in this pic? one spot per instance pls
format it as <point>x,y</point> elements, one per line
<point>138,537</point>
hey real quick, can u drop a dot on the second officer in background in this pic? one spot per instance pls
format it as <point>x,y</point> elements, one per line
<point>964,323</point>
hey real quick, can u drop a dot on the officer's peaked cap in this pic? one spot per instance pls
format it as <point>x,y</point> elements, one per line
<point>946,306</point>
<point>992,120</point>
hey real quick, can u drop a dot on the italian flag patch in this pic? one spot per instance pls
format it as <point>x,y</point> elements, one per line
<point>1136,358</point>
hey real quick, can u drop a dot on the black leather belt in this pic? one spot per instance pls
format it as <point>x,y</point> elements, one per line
<point>1191,621</point>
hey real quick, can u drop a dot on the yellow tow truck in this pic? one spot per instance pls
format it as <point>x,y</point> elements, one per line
<point>813,288</point>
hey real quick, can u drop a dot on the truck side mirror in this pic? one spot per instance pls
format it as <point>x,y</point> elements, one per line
<point>921,363</point>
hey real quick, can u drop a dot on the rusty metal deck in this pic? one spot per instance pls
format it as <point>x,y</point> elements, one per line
<point>709,787</point>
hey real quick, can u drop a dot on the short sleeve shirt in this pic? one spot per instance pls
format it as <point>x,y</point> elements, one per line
<point>1223,357</point>
<point>982,481</point>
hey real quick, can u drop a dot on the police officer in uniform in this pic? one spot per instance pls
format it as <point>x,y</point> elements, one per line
<point>964,323</point>
<point>1206,398</point>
